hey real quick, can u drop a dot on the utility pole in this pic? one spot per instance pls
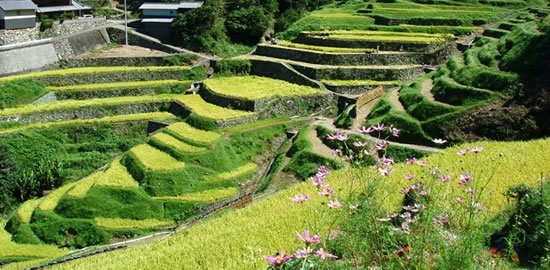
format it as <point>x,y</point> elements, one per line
<point>125,23</point>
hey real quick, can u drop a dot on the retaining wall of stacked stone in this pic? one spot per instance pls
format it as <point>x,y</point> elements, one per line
<point>179,109</point>
<point>355,89</point>
<point>87,112</point>
<point>117,35</point>
<point>381,45</point>
<point>112,61</point>
<point>324,58</point>
<point>358,73</point>
<point>279,71</point>
<point>146,75</point>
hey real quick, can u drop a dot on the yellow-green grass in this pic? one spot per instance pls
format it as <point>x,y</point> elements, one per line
<point>50,201</point>
<point>209,110</point>
<point>114,85</point>
<point>188,133</point>
<point>378,33</point>
<point>77,104</point>
<point>120,223</point>
<point>9,249</point>
<point>267,226</point>
<point>116,176</point>
<point>256,88</point>
<point>90,70</point>
<point>154,159</point>
<point>323,49</point>
<point>25,211</point>
<point>82,187</point>
<point>245,169</point>
<point>261,124</point>
<point>207,196</point>
<point>103,120</point>
<point>358,82</point>
<point>170,141</point>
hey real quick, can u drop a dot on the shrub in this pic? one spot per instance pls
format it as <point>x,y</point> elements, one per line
<point>445,90</point>
<point>20,92</point>
<point>345,120</point>
<point>180,59</point>
<point>228,67</point>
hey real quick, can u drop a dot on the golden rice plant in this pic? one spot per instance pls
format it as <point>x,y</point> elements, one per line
<point>50,201</point>
<point>242,170</point>
<point>154,159</point>
<point>169,141</point>
<point>25,210</point>
<point>358,82</point>
<point>323,49</point>
<point>114,85</point>
<point>116,176</point>
<point>82,186</point>
<point>207,196</point>
<point>209,110</point>
<point>256,88</point>
<point>188,133</point>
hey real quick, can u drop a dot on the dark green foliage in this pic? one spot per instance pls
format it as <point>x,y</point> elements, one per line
<point>418,105</point>
<point>528,229</point>
<point>46,23</point>
<point>21,233</point>
<point>196,74</point>
<point>66,232</point>
<point>8,169</point>
<point>448,91</point>
<point>20,92</point>
<point>229,67</point>
<point>345,120</point>
<point>129,203</point>
<point>180,59</point>
<point>247,24</point>
<point>411,130</point>
<point>401,154</point>
<point>305,163</point>
<point>181,211</point>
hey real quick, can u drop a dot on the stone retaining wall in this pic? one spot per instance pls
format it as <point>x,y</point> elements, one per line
<point>72,26</point>
<point>354,90</point>
<point>15,36</point>
<point>378,74</point>
<point>86,113</point>
<point>180,110</point>
<point>279,71</point>
<point>117,35</point>
<point>112,61</point>
<point>124,76</point>
<point>341,58</point>
<point>382,45</point>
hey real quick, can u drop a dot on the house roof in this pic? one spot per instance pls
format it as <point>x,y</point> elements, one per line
<point>74,7</point>
<point>17,4</point>
<point>157,20</point>
<point>171,6</point>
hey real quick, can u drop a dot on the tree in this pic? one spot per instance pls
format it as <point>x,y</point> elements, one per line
<point>247,24</point>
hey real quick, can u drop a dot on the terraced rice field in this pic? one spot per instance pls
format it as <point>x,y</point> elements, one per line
<point>257,88</point>
<point>188,133</point>
<point>196,104</point>
<point>114,86</point>
<point>154,159</point>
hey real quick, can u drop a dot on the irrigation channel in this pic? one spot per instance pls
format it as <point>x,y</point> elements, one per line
<point>238,201</point>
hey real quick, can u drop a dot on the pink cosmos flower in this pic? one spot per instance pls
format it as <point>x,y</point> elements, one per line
<point>379,127</point>
<point>331,137</point>
<point>323,170</point>
<point>440,220</point>
<point>326,192</point>
<point>469,190</point>
<point>359,144</point>
<point>303,253</point>
<point>439,141</point>
<point>417,186</point>
<point>306,238</point>
<point>444,178</point>
<point>423,193</point>
<point>335,203</point>
<point>405,190</point>
<point>385,171</point>
<point>387,161</point>
<point>325,255</point>
<point>422,163</point>
<point>405,227</point>
<point>364,130</point>
<point>393,215</point>
<point>476,149</point>
<point>466,178</point>
<point>410,161</point>
<point>394,132</point>
<point>353,206</point>
<point>463,152</point>
<point>381,145</point>
<point>410,176</point>
<point>318,180</point>
<point>459,199</point>
<point>300,198</point>
<point>278,259</point>
<point>342,136</point>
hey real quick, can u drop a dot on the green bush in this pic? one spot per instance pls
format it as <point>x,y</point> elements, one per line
<point>20,92</point>
<point>305,163</point>
<point>229,67</point>
<point>445,90</point>
<point>180,59</point>
<point>344,120</point>
<point>419,106</point>
<point>46,23</point>
<point>195,74</point>
<point>202,122</point>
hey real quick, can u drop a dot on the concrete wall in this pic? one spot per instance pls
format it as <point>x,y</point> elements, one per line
<point>31,56</point>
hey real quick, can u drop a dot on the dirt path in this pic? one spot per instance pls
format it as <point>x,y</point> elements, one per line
<point>427,86</point>
<point>124,51</point>
<point>362,113</point>
<point>318,146</point>
<point>394,99</point>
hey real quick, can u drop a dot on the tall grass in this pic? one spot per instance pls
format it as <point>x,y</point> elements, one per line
<point>121,224</point>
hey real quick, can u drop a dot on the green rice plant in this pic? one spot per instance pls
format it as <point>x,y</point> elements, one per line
<point>188,133</point>
<point>260,124</point>
<point>368,36</point>
<point>116,176</point>
<point>50,201</point>
<point>19,92</point>
<point>24,212</point>
<point>114,86</point>
<point>103,120</point>
<point>358,82</point>
<point>211,111</point>
<point>77,104</point>
<point>379,33</point>
<point>89,70</point>
<point>174,146</point>
<point>244,230</point>
<point>239,172</point>
<point>207,196</point>
<point>124,224</point>
<point>324,49</point>
<point>257,88</point>
<point>154,159</point>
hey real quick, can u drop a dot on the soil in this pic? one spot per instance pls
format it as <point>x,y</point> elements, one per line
<point>427,86</point>
<point>124,51</point>
<point>394,99</point>
<point>319,147</point>
<point>362,114</point>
